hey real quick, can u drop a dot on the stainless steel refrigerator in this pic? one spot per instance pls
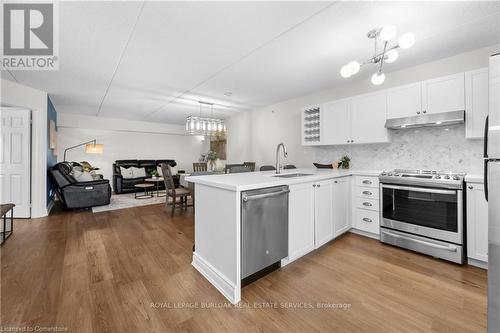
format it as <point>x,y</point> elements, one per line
<point>492,192</point>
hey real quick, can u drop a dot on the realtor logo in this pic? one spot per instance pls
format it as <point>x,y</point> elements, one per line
<point>29,33</point>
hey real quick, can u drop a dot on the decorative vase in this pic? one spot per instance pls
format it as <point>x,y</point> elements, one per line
<point>211,165</point>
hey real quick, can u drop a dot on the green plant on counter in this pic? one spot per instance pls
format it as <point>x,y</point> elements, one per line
<point>344,162</point>
<point>155,173</point>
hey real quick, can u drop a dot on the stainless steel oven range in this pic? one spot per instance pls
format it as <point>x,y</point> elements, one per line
<point>422,210</point>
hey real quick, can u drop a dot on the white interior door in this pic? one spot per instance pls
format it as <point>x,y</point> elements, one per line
<point>15,159</point>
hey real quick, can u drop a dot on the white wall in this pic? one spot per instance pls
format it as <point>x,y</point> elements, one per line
<point>14,94</point>
<point>126,139</point>
<point>281,122</point>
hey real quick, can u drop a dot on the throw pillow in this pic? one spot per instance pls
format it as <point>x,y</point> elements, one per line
<point>126,172</point>
<point>76,173</point>
<point>160,172</point>
<point>138,172</point>
<point>174,170</point>
<point>85,177</point>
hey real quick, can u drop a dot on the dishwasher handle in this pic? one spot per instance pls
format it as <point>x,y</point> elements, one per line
<point>245,197</point>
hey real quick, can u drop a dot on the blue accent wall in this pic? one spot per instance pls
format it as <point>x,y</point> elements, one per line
<point>51,156</point>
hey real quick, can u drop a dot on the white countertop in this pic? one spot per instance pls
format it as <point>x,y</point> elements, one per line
<point>474,178</point>
<point>260,179</point>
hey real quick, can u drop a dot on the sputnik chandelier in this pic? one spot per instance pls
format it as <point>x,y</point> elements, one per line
<point>388,53</point>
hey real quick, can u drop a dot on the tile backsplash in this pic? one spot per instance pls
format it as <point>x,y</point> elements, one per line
<point>437,148</point>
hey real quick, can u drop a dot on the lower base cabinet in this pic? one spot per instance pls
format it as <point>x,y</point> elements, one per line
<point>318,212</point>
<point>341,206</point>
<point>300,220</point>
<point>323,212</point>
<point>477,222</point>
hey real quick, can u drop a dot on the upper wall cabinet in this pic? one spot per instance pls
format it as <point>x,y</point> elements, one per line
<point>476,102</point>
<point>404,101</point>
<point>361,118</point>
<point>368,116</point>
<point>336,124</point>
<point>443,94</point>
<point>311,125</point>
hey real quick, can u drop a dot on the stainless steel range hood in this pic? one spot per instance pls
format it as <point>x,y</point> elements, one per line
<point>426,120</point>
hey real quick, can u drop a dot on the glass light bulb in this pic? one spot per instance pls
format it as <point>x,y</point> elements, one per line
<point>354,67</point>
<point>406,40</point>
<point>391,56</point>
<point>378,78</point>
<point>388,32</point>
<point>345,71</point>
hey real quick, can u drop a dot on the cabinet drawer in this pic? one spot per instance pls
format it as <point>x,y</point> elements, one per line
<point>366,192</point>
<point>367,181</point>
<point>367,220</point>
<point>364,203</point>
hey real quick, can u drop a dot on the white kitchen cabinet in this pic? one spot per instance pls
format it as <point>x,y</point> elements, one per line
<point>300,220</point>
<point>336,124</point>
<point>323,217</point>
<point>341,205</point>
<point>477,222</point>
<point>368,116</point>
<point>476,102</point>
<point>444,94</point>
<point>404,101</point>
<point>366,204</point>
<point>367,221</point>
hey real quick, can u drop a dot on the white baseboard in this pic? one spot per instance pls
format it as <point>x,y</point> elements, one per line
<point>364,233</point>
<point>217,279</point>
<point>477,263</point>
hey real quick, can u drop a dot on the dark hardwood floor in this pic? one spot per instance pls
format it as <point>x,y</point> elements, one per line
<point>129,271</point>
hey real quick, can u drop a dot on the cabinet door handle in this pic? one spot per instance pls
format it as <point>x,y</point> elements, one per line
<point>418,112</point>
<point>335,182</point>
<point>367,193</point>
<point>347,141</point>
<point>367,219</point>
<point>318,185</point>
<point>367,182</point>
<point>314,185</point>
<point>367,204</point>
<point>470,187</point>
<point>425,111</point>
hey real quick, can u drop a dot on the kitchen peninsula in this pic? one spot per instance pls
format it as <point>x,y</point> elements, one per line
<point>321,206</point>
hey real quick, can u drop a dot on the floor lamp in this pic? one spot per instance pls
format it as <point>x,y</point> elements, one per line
<point>91,147</point>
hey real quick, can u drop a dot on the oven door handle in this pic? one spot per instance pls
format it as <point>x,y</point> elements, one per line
<point>418,189</point>
<point>451,248</point>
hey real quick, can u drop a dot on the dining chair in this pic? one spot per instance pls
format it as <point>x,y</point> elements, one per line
<point>267,168</point>
<point>200,166</point>
<point>289,166</point>
<point>172,192</point>
<point>250,165</point>
<point>236,168</point>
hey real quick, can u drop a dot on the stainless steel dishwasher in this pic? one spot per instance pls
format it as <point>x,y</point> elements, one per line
<point>264,228</point>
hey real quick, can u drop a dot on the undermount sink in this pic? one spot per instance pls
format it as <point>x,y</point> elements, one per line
<point>293,175</point>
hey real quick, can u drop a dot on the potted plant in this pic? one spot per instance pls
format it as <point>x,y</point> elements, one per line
<point>211,157</point>
<point>155,174</point>
<point>344,162</point>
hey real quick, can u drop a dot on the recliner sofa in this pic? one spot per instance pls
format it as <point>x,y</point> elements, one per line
<point>74,194</point>
<point>126,185</point>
